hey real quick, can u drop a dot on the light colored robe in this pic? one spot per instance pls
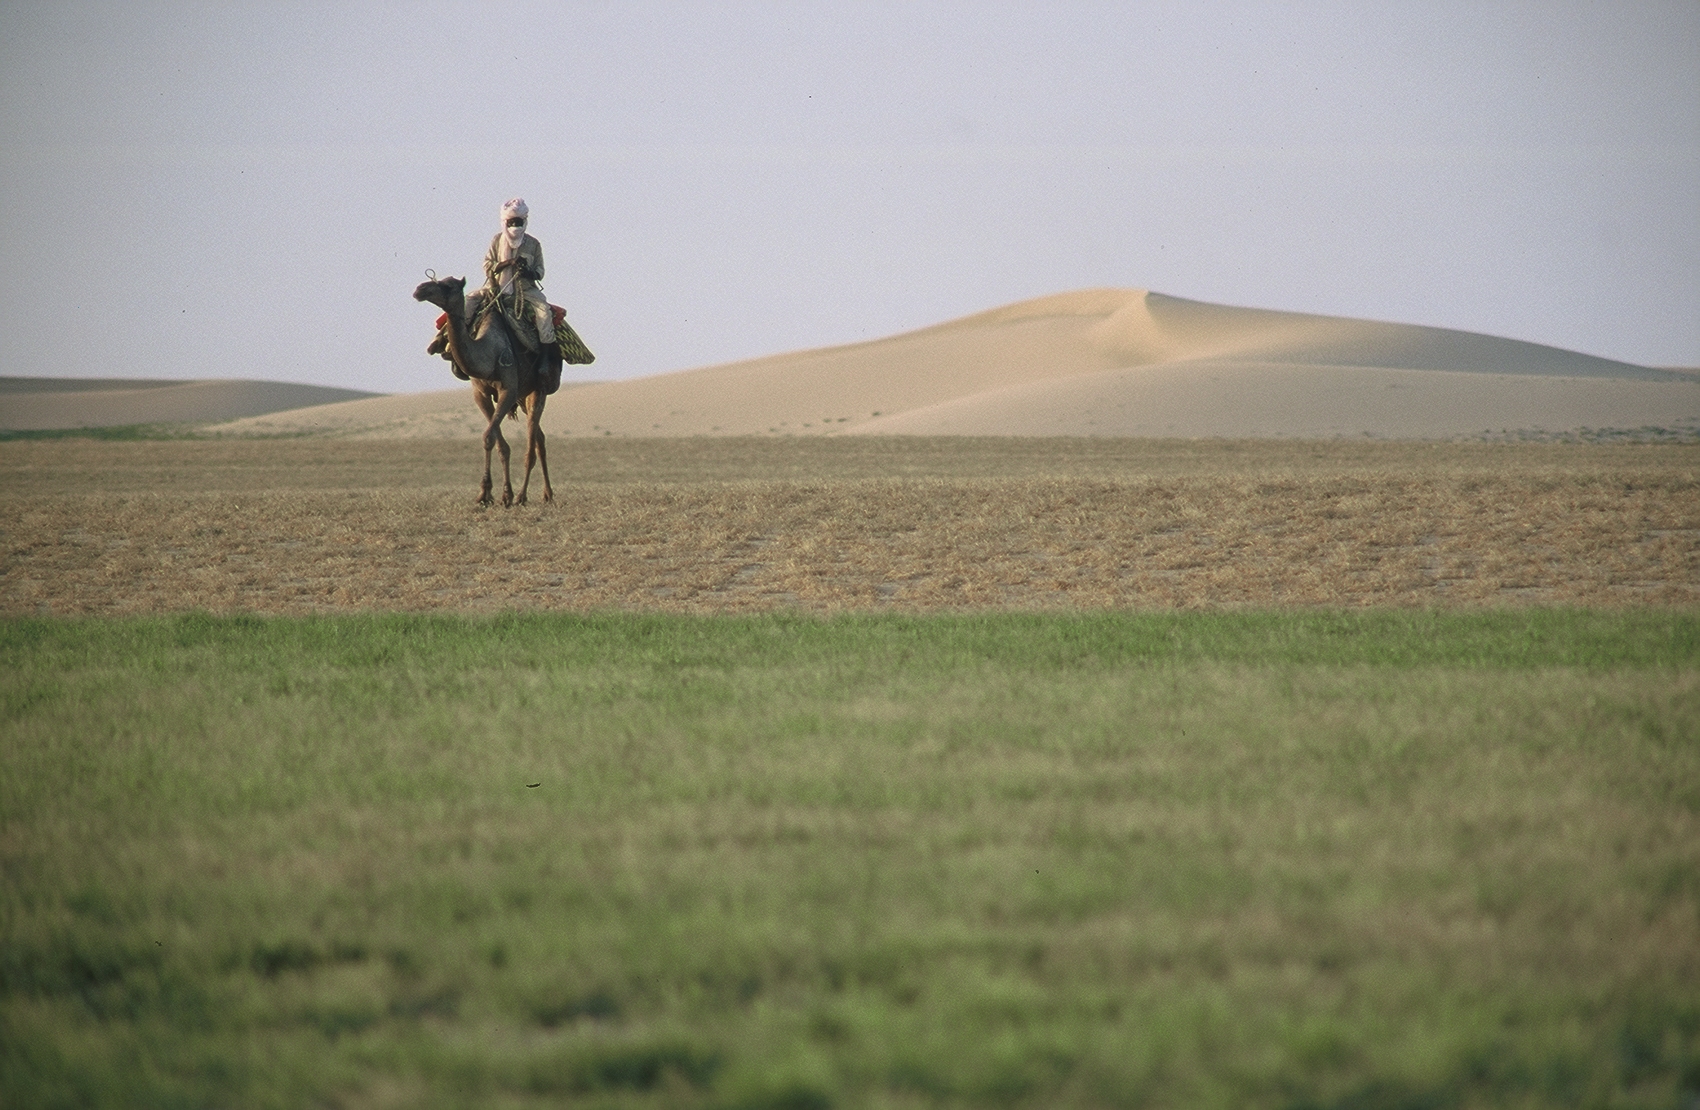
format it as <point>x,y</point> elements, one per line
<point>531,256</point>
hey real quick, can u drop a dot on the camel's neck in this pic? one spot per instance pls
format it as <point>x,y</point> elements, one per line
<point>462,347</point>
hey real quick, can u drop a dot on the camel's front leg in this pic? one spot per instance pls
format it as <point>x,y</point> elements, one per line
<point>493,438</point>
<point>481,397</point>
<point>501,445</point>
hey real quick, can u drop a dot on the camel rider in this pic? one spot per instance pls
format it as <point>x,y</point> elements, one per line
<point>512,268</point>
<point>514,264</point>
<point>515,259</point>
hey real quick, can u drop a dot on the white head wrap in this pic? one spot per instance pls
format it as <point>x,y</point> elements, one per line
<point>513,236</point>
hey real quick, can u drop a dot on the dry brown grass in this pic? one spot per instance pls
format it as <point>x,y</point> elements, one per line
<point>718,525</point>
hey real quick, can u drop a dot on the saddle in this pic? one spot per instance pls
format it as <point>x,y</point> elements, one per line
<point>573,350</point>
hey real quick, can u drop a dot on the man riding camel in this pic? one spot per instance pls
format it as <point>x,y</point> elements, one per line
<point>512,268</point>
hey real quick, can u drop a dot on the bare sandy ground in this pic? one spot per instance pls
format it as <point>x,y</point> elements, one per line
<point>1104,362</point>
<point>715,524</point>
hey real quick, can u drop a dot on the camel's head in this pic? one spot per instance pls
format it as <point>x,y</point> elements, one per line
<point>442,292</point>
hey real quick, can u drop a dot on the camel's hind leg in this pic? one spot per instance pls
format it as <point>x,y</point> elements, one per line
<point>534,447</point>
<point>543,461</point>
<point>507,470</point>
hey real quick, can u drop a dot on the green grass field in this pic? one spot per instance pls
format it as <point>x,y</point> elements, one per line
<point>1390,859</point>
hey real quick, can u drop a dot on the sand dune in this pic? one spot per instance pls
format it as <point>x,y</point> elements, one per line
<point>1129,362</point>
<point>1097,362</point>
<point>36,404</point>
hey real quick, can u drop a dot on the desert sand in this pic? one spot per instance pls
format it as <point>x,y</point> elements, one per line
<point>1102,362</point>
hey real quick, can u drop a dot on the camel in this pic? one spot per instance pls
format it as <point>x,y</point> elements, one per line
<point>505,376</point>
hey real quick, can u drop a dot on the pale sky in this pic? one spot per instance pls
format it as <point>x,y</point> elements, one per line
<point>253,190</point>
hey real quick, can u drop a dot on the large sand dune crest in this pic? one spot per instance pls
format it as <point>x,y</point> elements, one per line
<point>1151,328</point>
